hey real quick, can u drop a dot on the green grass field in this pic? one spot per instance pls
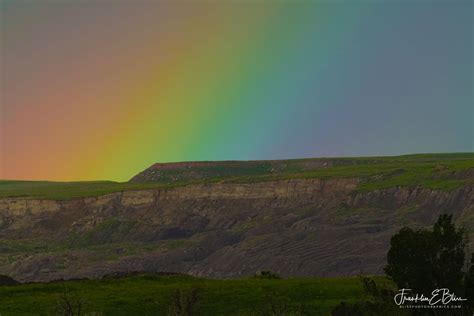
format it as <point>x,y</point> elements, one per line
<point>152,295</point>
<point>437,171</point>
<point>67,190</point>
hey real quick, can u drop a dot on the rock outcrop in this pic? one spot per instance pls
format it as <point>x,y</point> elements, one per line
<point>298,227</point>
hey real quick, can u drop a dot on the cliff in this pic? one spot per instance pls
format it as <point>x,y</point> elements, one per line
<point>296,227</point>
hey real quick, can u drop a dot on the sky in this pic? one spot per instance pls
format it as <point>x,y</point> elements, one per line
<point>102,89</point>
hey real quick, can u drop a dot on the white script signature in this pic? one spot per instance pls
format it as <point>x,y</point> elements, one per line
<point>438,296</point>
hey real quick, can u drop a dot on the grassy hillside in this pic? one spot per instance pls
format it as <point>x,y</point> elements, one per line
<point>152,295</point>
<point>67,190</point>
<point>438,171</point>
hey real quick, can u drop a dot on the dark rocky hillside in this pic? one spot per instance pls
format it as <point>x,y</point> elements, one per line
<point>331,225</point>
<point>6,280</point>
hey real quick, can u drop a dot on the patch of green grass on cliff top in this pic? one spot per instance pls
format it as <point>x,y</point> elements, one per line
<point>67,190</point>
<point>151,295</point>
<point>436,171</point>
<point>435,174</point>
<point>440,175</point>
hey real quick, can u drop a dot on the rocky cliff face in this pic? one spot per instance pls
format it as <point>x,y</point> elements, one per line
<point>296,227</point>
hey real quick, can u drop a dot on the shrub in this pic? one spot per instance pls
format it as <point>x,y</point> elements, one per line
<point>266,274</point>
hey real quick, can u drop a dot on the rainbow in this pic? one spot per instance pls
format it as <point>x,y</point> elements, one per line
<point>101,91</point>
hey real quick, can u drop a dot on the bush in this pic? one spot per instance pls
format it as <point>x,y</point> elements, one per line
<point>184,302</point>
<point>275,304</point>
<point>266,274</point>
<point>70,304</point>
<point>379,301</point>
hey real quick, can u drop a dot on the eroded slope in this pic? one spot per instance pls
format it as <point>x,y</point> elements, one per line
<point>317,227</point>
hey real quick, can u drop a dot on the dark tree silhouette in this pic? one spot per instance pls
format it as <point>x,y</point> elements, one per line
<point>410,260</point>
<point>449,260</point>
<point>424,260</point>
<point>469,285</point>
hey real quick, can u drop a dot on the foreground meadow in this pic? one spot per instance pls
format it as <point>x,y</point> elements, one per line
<point>146,294</point>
